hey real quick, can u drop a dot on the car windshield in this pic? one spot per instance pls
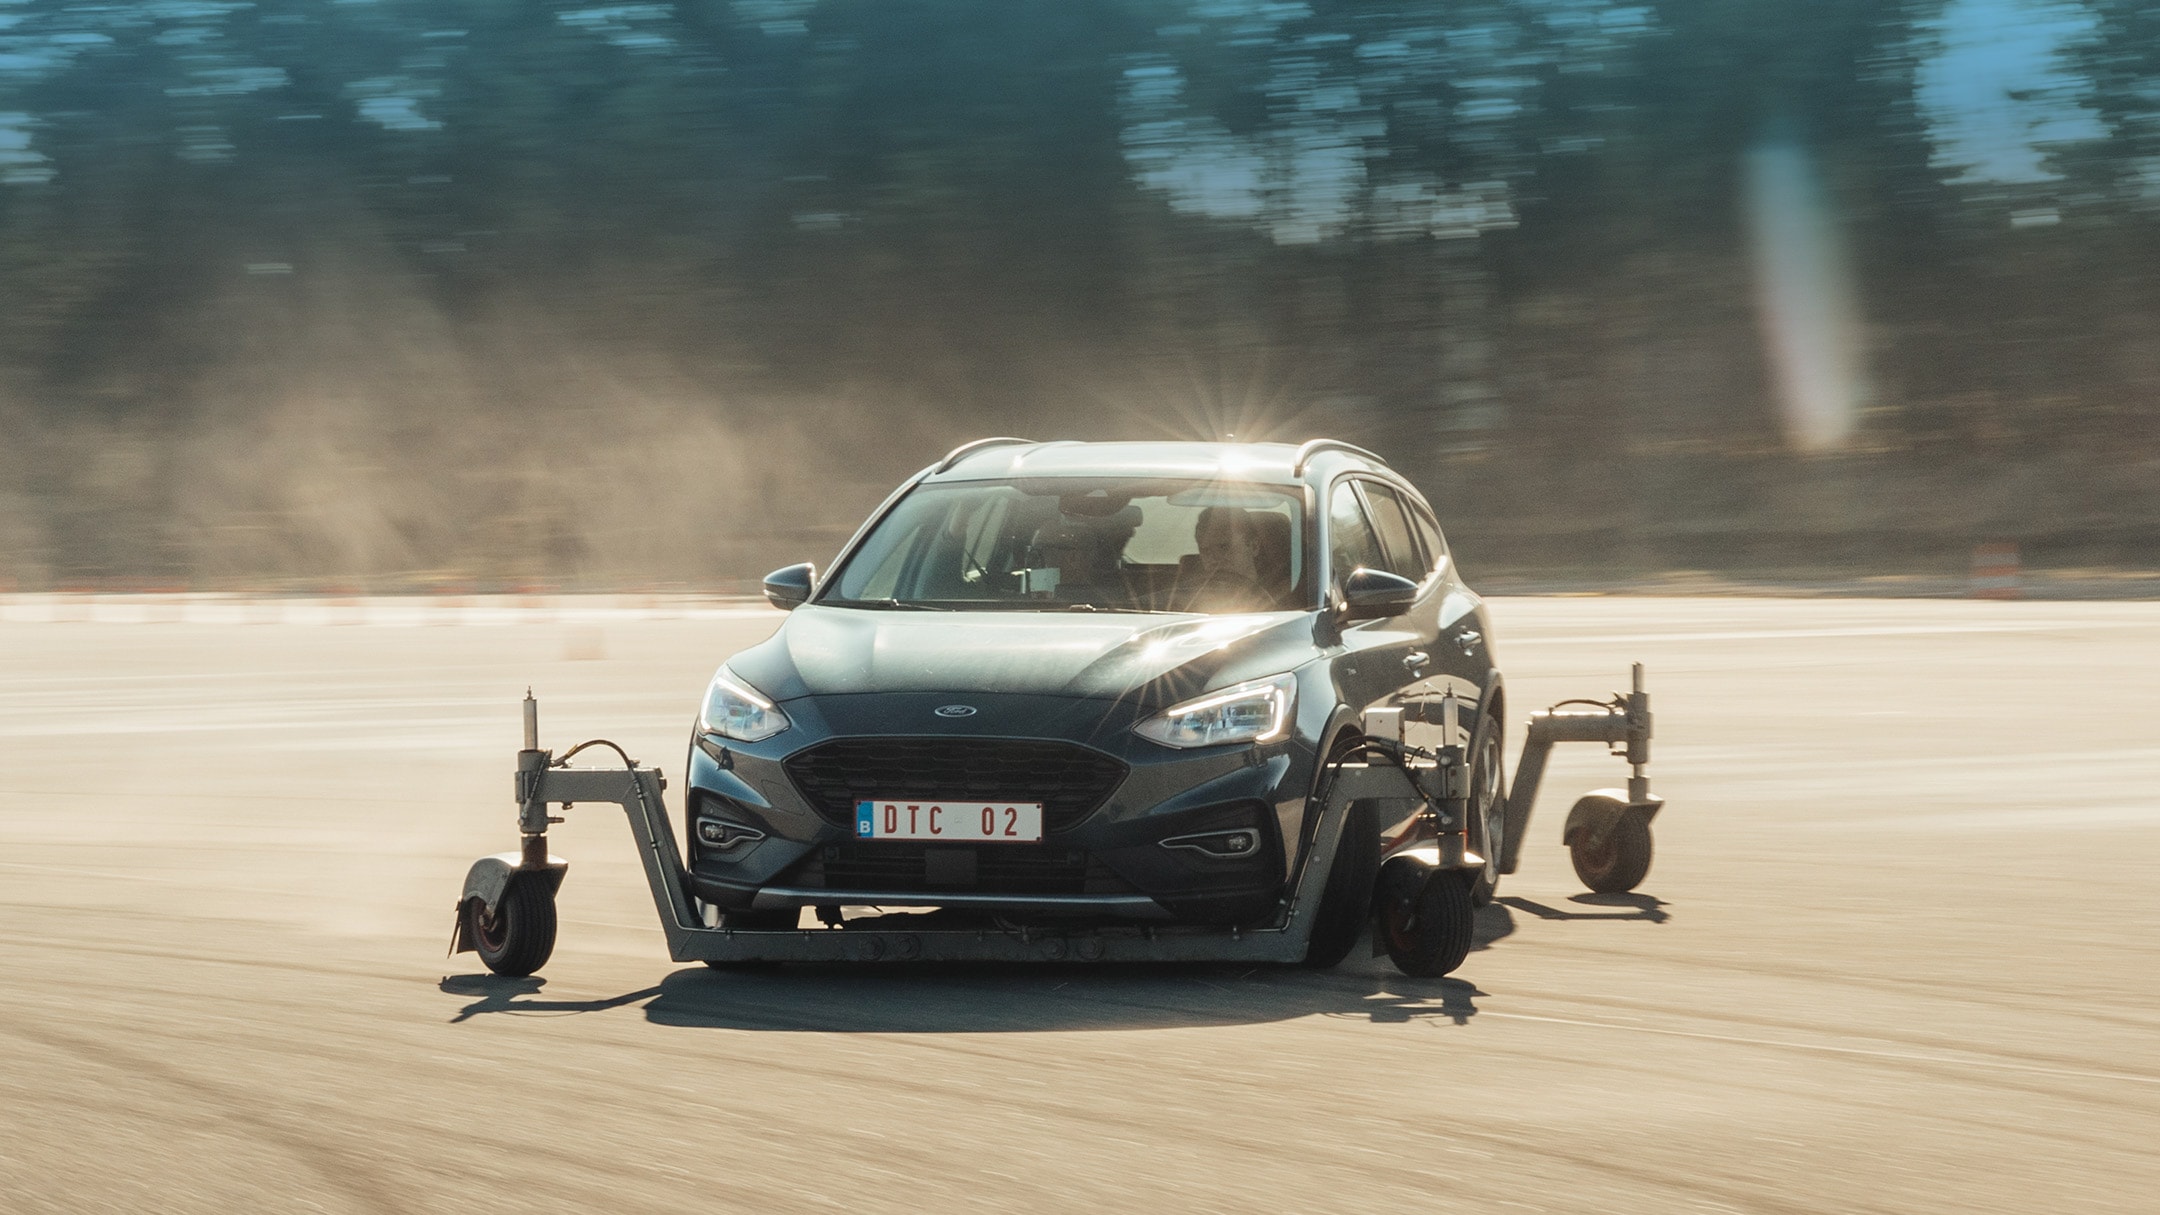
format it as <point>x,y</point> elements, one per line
<point>1080,544</point>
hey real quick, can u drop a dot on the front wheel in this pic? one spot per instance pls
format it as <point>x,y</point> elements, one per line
<point>1619,862</point>
<point>1488,806</point>
<point>1346,901</point>
<point>519,937</point>
<point>1426,921</point>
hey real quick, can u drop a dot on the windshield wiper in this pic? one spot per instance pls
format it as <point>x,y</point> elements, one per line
<point>1086,607</point>
<point>890,605</point>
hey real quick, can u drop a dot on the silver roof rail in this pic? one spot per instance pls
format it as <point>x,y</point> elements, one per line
<point>965,450</point>
<point>1306,451</point>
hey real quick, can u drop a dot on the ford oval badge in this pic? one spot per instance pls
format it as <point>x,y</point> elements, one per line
<point>956,710</point>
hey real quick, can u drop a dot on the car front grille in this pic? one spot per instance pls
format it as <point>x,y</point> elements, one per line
<point>913,867</point>
<point>1069,780</point>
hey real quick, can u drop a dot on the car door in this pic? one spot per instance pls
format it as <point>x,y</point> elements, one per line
<point>1380,658</point>
<point>1465,654</point>
<point>1424,675</point>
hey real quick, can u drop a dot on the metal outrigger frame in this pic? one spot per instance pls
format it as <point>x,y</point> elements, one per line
<point>1598,820</point>
<point>506,910</point>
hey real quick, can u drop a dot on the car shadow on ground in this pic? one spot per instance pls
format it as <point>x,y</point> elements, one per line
<point>901,997</point>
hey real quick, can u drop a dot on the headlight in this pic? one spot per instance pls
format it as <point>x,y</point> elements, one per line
<point>732,710</point>
<point>1250,712</point>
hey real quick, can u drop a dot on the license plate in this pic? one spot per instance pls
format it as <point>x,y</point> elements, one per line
<point>957,822</point>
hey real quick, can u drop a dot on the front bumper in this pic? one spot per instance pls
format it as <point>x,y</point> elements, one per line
<point>1104,862</point>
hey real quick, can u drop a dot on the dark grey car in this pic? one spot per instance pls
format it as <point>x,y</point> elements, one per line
<point>1065,682</point>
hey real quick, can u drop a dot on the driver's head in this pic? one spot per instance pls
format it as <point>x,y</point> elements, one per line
<point>1225,539</point>
<point>1086,550</point>
<point>1068,547</point>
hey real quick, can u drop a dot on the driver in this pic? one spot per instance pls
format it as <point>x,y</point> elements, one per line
<point>1225,578</point>
<point>1085,553</point>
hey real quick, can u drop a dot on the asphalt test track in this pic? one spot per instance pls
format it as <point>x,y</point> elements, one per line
<point>1900,951</point>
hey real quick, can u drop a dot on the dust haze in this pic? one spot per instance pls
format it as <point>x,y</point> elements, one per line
<point>342,429</point>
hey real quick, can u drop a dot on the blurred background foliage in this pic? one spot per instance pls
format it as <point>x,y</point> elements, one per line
<point>412,292</point>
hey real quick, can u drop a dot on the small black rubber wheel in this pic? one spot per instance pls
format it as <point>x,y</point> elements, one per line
<point>1620,863</point>
<point>520,936</point>
<point>1427,925</point>
<point>1346,901</point>
<point>1487,807</point>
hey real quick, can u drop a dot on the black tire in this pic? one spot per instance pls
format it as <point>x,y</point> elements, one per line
<point>518,939</point>
<point>1621,863</point>
<point>1427,925</point>
<point>1488,806</point>
<point>1346,901</point>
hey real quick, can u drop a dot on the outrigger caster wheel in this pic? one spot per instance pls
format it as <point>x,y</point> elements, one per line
<point>520,936</point>
<point>1619,862</point>
<point>1426,922</point>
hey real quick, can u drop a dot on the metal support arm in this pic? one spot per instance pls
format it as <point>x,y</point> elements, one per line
<point>1624,724</point>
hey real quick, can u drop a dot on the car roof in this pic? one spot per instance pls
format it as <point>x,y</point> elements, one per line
<point>1271,463</point>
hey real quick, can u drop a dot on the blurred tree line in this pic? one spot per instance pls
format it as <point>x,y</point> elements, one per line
<point>383,290</point>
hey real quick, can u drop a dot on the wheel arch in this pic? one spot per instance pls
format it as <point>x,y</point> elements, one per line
<point>1492,698</point>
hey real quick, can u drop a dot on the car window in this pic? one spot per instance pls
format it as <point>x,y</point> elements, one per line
<point>1351,540</point>
<point>1428,531</point>
<point>1393,525</point>
<point>1058,543</point>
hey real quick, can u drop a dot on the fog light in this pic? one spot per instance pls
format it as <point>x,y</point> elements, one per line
<point>1243,842</point>
<point>720,834</point>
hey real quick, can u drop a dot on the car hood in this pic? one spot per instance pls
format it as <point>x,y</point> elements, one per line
<point>823,651</point>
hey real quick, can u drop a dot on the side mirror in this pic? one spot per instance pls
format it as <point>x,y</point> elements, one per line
<point>1376,595</point>
<point>788,587</point>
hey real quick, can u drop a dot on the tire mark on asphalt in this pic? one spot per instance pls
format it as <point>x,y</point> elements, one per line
<point>1971,1059</point>
<point>62,945</point>
<point>601,1173</point>
<point>1753,1199</point>
<point>1983,995</point>
<point>2031,1060</point>
<point>1829,1048</point>
<point>1902,1037</point>
<point>330,1159</point>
